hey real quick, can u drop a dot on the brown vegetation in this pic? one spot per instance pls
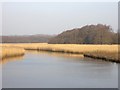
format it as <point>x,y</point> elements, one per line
<point>26,38</point>
<point>10,51</point>
<point>107,56</point>
<point>106,52</point>
<point>89,34</point>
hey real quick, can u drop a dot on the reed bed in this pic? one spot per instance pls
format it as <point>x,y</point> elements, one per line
<point>78,48</point>
<point>10,51</point>
<point>107,56</point>
<point>107,52</point>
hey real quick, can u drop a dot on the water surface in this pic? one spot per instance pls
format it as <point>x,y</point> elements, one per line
<point>56,70</point>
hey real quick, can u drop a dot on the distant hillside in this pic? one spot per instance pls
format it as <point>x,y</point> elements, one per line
<point>26,39</point>
<point>89,34</point>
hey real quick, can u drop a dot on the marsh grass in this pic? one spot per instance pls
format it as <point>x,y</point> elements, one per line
<point>107,56</point>
<point>106,52</point>
<point>10,51</point>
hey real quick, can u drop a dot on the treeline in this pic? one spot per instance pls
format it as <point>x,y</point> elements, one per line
<point>26,39</point>
<point>89,34</point>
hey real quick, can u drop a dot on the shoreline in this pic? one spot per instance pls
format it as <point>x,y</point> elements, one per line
<point>11,51</point>
<point>102,58</point>
<point>10,56</point>
<point>103,52</point>
<point>84,54</point>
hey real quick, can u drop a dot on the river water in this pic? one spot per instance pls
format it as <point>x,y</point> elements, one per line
<point>57,70</point>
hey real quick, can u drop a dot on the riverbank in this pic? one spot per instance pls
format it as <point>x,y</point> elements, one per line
<point>11,51</point>
<point>106,56</point>
<point>104,52</point>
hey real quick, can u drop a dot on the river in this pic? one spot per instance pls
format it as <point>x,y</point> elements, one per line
<point>57,70</point>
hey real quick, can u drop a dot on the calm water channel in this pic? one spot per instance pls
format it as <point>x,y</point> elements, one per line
<point>56,70</point>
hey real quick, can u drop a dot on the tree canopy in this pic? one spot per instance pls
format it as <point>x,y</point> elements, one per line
<point>89,34</point>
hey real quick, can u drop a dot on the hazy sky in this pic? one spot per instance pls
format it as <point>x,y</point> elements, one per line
<point>55,17</point>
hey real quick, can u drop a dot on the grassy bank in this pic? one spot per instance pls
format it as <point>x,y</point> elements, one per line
<point>107,56</point>
<point>10,51</point>
<point>106,52</point>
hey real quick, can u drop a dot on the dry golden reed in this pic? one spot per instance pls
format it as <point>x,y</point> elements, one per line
<point>10,51</point>
<point>103,51</point>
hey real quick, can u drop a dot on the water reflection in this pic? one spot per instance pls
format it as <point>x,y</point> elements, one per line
<point>68,57</point>
<point>56,54</point>
<point>11,59</point>
<point>58,70</point>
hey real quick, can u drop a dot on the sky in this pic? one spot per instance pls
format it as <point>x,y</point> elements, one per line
<point>28,18</point>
